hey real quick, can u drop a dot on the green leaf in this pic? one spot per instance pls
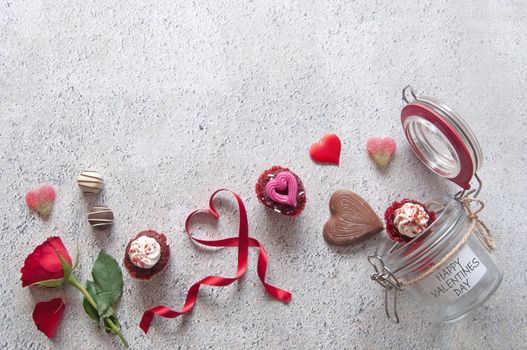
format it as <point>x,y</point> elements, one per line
<point>108,279</point>
<point>50,283</point>
<point>90,310</point>
<point>109,312</point>
<point>65,265</point>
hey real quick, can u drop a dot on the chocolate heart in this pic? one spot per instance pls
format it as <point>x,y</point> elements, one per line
<point>281,182</point>
<point>352,219</point>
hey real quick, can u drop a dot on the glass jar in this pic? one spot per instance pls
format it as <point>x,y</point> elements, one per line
<point>458,285</point>
<point>447,269</point>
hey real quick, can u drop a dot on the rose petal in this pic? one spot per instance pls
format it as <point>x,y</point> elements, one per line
<point>32,273</point>
<point>47,315</point>
<point>56,243</point>
<point>48,256</point>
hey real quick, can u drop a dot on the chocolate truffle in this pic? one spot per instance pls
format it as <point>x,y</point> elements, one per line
<point>146,255</point>
<point>100,217</point>
<point>90,181</point>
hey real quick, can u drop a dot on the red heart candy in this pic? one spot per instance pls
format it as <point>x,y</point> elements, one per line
<point>41,199</point>
<point>327,150</point>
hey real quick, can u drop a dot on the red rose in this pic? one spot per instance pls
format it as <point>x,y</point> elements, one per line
<point>47,315</point>
<point>43,266</point>
<point>50,266</point>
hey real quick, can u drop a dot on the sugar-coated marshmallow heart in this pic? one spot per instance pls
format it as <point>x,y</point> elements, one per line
<point>41,199</point>
<point>282,181</point>
<point>381,149</point>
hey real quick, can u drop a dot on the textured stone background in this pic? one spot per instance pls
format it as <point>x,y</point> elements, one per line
<point>171,100</point>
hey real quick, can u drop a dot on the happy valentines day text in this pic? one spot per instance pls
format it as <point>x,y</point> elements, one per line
<point>457,277</point>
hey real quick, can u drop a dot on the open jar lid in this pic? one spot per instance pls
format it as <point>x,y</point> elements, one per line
<point>440,138</point>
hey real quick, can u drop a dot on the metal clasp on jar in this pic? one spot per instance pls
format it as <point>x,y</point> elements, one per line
<point>391,285</point>
<point>473,193</point>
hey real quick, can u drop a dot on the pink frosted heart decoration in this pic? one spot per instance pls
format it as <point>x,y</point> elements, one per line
<point>282,181</point>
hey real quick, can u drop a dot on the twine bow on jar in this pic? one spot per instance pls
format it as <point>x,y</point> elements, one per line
<point>482,231</point>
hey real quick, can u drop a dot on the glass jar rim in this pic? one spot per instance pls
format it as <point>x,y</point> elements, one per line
<point>461,127</point>
<point>440,138</point>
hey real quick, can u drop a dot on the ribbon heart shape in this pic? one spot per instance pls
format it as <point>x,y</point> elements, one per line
<point>282,181</point>
<point>243,242</point>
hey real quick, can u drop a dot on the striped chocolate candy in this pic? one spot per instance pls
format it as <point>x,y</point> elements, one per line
<point>100,217</point>
<point>90,181</point>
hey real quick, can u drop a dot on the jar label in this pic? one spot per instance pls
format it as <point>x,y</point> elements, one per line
<point>455,278</point>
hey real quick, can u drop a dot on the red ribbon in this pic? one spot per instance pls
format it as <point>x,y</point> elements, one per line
<point>243,242</point>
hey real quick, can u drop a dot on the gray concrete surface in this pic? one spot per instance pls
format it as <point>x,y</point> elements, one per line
<point>173,99</point>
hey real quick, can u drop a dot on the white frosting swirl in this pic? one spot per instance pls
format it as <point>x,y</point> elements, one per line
<point>411,219</point>
<point>144,252</point>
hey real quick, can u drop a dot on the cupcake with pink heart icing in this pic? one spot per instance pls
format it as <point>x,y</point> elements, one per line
<point>281,190</point>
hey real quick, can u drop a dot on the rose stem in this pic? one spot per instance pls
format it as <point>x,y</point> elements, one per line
<point>71,280</point>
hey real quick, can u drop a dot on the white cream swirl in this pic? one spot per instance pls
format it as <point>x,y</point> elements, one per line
<point>144,252</point>
<point>411,219</point>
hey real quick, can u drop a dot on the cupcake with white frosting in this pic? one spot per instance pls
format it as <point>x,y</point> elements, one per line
<point>146,255</point>
<point>407,219</point>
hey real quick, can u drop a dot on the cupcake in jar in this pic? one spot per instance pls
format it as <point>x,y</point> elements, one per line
<point>407,219</point>
<point>282,191</point>
<point>146,255</point>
